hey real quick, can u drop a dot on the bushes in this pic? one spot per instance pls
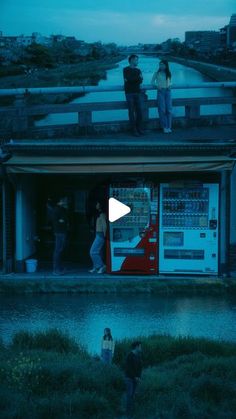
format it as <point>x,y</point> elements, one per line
<point>161,348</point>
<point>56,378</point>
<point>47,375</point>
<point>193,386</point>
<point>11,70</point>
<point>51,340</point>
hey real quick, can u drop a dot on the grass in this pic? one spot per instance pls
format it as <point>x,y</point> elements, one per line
<point>112,284</point>
<point>48,375</point>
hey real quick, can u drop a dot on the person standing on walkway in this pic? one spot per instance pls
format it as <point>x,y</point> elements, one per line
<point>133,371</point>
<point>107,346</point>
<point>60,222</point>
<point>99,241</point>
<point>132,81</point>
<point>162,81</point>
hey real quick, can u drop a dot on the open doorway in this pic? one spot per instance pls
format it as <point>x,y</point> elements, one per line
<point>81,193</point>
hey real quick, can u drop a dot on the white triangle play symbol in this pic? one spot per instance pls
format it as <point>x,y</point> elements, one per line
<point>117,209</point>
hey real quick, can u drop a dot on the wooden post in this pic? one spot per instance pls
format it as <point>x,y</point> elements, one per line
<point>85,121</point>
<point>145,107</point>
<point>20,123</point>
<point>234,104</point>
<point>85,118</point>
<point>192,111</point>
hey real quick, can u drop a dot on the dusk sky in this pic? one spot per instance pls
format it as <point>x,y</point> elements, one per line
<point>124,22</point>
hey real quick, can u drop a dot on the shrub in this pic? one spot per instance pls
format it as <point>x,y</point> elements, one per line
<point>20,371</point>
<point>51,340</point>
<point>191,386</point>
<point>54,378</point>
<point>212,390</point>
<point>162,348</point>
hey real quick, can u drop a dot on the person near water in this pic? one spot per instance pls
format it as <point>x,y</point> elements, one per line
<point>133,371</point>
<point>60,222</point>
<point>107,346</point>
<point>162,81</point>
<point>132,84</point>
<point>97,247</point>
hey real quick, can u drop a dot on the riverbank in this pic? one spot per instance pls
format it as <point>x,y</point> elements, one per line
<point>215,72</point>
<point>49,375</point>
<point>84,283</point>
<point>82,74</point>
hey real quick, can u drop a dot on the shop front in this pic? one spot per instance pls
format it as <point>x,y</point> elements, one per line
<point>179,222</point>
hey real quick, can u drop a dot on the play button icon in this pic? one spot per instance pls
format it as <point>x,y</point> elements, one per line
<point>117,209</point>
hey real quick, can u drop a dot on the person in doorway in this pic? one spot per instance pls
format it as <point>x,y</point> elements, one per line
<point>132,82</point>
<point>99,241</point>
<point>60,222</point>
<point>133,371</point>
<point>162,81</point>
<point>107,346</point>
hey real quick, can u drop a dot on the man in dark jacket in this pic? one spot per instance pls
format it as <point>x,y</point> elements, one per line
<point>132,81</point>
<point>133,371</point>
<point>60,222</point>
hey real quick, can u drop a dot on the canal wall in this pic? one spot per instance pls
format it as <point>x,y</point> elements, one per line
<point>215,72</point>
<point>108,284</point>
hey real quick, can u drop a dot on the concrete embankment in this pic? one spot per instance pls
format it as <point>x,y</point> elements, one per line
<point>215,72</point>
<point>87,284</point>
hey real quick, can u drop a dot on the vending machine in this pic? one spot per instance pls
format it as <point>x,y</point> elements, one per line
<point>133,239</point>
<point>189,228</point>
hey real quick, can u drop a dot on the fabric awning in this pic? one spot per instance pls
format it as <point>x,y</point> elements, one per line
<point>119,164</point>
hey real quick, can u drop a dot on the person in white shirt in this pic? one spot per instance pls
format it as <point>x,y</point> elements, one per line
<point>107,346</point>
<point>99,241</point>
<point>162,81</point>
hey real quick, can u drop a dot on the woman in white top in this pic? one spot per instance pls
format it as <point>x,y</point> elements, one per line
<point>107,346</point>
<point>99,241</point>
<point>162,81</point>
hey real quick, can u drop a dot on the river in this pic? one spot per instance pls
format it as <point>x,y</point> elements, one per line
<point>85,316</point>
<point>180,75</point>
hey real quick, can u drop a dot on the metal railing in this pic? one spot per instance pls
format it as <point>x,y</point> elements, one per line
<point>18,119</point>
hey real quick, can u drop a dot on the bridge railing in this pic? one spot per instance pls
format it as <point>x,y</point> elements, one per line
<point>18,120</point>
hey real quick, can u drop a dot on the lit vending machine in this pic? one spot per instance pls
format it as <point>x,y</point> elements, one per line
<point>189,228</point>
<point>133,239</point>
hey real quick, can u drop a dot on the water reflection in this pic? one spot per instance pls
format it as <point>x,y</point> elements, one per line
<point>85,317</point>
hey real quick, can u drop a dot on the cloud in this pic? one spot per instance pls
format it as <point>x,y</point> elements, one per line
<point>108,25</point>
<point>133,27</point>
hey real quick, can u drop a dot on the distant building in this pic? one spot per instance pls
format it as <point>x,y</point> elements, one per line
<point>57,38</point>
<point>24,40</point>
<point>203,41</point>
<point>8,41</point>
<point>223,36</point>
<point>231,32</point>
<point>40,39</point>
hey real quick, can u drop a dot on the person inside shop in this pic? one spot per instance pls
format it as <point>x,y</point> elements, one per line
<point>133,371</point>
<point>58,215</point>
<point>107,346</point>
<point>132,81</point>
<point>97,247</point>
<point>162,81</point>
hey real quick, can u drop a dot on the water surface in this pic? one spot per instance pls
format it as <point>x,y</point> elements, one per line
<point>84,317</point>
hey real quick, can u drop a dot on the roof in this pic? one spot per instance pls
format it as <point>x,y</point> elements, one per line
<point>117,164</point>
